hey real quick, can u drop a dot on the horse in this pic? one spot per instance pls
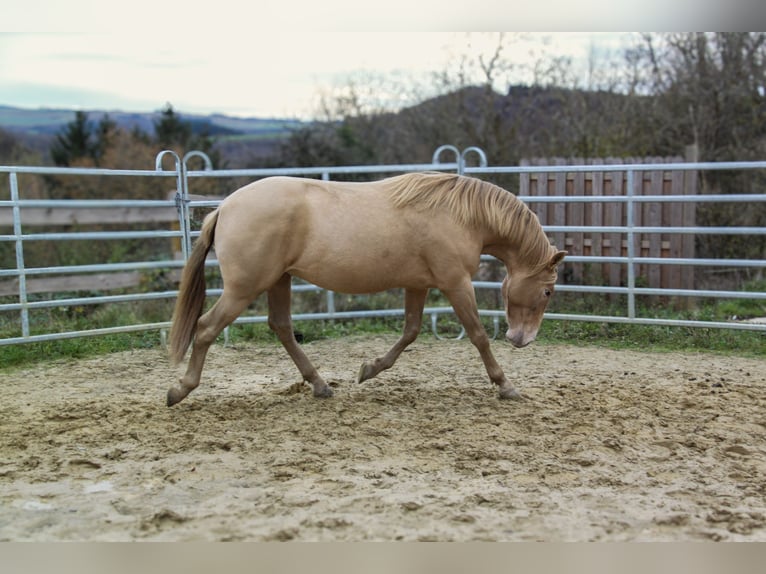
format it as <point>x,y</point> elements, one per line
<point>416,231</point>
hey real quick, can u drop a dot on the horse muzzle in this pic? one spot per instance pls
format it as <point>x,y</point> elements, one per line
<point>519,338</point>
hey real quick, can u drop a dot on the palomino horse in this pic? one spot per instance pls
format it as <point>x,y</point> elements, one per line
<point>417,231</point>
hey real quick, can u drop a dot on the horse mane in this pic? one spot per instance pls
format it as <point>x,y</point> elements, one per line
<point>476,203</point>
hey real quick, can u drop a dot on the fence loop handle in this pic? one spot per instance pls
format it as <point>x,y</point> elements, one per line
<point>200,154</point>
<point>161,156</point>
<point>478,151</point>
<point>434,319</point>
<point>460,156</point>
<point>443,148</point>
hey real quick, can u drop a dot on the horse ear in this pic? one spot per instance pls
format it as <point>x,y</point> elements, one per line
<point>556,259</point>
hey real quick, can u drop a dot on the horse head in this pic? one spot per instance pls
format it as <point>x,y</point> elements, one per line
<point>526,294</point>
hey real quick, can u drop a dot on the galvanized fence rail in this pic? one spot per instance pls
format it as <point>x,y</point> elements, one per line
<point>183,202</point>
<point>630,230</point>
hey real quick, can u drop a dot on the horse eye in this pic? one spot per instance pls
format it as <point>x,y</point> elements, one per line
<point>547,292</point>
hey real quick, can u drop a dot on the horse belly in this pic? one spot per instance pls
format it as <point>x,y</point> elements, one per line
<point>369,272</point>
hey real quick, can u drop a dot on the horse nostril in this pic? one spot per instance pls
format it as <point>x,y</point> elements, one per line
<point>516,339</point>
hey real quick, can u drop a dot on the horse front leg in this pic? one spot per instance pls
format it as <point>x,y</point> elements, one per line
<point>463,301</point>
<point>414,301</point>
<point>281,323</point>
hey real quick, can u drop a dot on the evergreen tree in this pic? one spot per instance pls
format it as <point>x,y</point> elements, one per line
<point>74,142</point>
<point>106,133</point>
<point>170,131</point>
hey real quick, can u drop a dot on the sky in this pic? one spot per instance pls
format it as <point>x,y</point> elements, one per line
<point>264,75</point>
<point>275,58</point>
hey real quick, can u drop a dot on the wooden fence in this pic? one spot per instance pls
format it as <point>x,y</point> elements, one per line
<point>674,214</point>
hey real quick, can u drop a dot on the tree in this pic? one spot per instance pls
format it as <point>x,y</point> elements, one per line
<point>105,134</point>
<point>14,151</point>
<point>174,133</point>
<point>474,102</point>
<point>74,142</point>
<point>710,91</point>
<point>79,142</point>
<point>170,131</point>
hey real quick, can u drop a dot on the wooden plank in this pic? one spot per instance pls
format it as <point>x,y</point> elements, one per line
<point>689,211</point>
<point>653,218</point>
<point>42,216</point>
<point>88,215</point>
<point>524,178</point>
<point>676,219</point>
<point>97,282</point>
<point>576,215</point>
<point>596,218</point>
<point>637,214</point>
<point>89,282</point>
<point>539,187</point>
<point>614,216</point>
<point>557,186</point>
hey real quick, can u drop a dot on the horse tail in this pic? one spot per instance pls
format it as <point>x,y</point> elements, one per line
<point>191,294</point>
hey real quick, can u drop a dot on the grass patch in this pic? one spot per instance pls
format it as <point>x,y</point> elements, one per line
<point>605,335</point>
<point>27,354</point>
<point>648,338</point>
<point>654,338</point>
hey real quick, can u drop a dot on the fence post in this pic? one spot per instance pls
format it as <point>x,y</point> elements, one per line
<point>182,200</point>
<point>631,246</point>
<point>613,218</point>
<point>185,199</point>
<point>14,184</point>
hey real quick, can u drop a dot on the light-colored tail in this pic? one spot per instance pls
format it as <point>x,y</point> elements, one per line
<point>191,295</point>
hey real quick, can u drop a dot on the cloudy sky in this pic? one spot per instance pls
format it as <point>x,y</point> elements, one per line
<point>274,57</point>
<point>265,74</point>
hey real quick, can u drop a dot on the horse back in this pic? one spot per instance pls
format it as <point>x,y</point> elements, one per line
<point>348,237</point>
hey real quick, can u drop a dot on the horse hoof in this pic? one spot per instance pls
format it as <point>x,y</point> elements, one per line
<point>175,396</point>
<point>323,393</point>
<point>510,394</point>
<point>366,371</point>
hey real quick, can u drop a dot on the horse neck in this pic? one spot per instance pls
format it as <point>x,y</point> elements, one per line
<point>518,252</point>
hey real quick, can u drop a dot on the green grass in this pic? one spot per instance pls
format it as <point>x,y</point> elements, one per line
<point>591,334</point>
<point>653,338</point>
<point>28,354</point>
<point>610,335</point>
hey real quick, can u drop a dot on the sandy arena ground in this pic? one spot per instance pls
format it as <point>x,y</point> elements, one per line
<point>610,445</point>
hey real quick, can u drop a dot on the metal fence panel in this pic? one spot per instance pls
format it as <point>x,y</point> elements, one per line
<point>184,203</point>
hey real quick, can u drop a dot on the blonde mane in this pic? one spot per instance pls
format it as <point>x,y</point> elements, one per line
<point>478,204</point>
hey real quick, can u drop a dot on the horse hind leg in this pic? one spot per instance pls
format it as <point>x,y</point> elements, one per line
<point>209,326</point>
<point>281,323</point>
<point>414,301</point>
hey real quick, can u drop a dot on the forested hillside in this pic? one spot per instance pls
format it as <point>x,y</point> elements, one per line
<point>36,130</point>
<point>672,90</point>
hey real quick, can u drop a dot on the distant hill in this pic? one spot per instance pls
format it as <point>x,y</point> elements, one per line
<point>242,140</point>
<point>45,121</point>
